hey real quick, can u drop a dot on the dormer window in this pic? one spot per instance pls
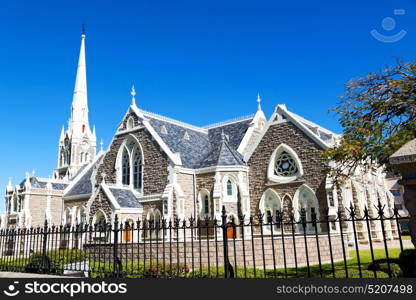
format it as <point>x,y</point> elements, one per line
<point>284,165</point>
<point>185,136</point>
<point>163,129</point>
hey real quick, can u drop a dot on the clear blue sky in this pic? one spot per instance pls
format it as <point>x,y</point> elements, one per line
<point>197,61</point>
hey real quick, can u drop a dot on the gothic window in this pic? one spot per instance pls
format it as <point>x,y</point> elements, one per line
<point>229,188</point>
<point>285,165</point>
<point>330,194</point>
<point>130,165</point>
<point>306,200</point>
<point>206,204</point>
<point>269,206</point>
<point>126,168</point>
<point>137,169</point>
<point>154,219</point>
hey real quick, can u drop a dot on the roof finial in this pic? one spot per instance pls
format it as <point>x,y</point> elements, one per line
<point>258,101</point>
<point>133,94</point>
<point>101,145</point>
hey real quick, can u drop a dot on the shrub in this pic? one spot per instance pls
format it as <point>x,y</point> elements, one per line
<point>382,265</point>
<point>407,262</point>
<point>405,232</point>
<point>54,261</point>
<point>38,263</point>
<point>169,271</point>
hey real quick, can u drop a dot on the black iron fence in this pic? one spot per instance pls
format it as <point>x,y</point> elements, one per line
<point>351,243</point>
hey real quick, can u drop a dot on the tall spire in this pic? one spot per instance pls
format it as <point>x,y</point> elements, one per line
<point>258,101</point>
<point>79,114</point>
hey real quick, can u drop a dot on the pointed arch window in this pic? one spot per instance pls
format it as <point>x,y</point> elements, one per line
<point>126,168</point>
<point>206,204</point>
<point>270,204</point>
<point>130,165</point>
<point>229,188</point>
<point>305,199</point>
<point>284,165</point>
<point>137,169</point>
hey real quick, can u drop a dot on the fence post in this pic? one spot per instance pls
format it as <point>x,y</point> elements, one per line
<point>45,266</point>
<point>116,261</point>
<point>225,240</point>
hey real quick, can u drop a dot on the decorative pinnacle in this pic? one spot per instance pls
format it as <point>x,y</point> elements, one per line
<point>258,101</point>
<point>101,145</point>
<point>133,94</point>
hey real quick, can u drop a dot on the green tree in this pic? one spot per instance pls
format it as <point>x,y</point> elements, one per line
<point>378,115</point>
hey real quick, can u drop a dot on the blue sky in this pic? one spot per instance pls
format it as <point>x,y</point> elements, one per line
<point>197,61</point>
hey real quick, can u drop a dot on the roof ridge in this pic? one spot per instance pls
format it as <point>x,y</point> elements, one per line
<point>173,121</point>
<point>228,122</point>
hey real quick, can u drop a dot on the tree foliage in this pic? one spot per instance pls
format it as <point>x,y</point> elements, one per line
<point>378,115</point>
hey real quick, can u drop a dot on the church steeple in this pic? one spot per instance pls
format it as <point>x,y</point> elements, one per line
<point>78,144</point>
<point>79,123</point>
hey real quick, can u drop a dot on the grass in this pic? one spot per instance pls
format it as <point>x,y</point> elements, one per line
<point>352,269</point>
<point>140,270</point>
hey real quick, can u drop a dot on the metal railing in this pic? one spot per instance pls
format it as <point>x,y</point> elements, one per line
<point>352,243</point>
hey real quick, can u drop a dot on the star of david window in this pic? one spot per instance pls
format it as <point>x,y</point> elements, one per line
<point>285,165</point>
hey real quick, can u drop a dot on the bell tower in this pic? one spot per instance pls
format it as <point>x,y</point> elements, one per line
<point>77,144</point>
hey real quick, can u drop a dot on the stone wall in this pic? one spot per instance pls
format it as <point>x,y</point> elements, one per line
<point>250,251</point>
<point>155,175</point>
<point>101,202</point>
<point>187,184</point>
<point>309,153</point>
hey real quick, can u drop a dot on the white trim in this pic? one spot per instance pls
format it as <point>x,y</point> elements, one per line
<point>173,121</point>
<point>229,122</point>
<point>110,196</point>
<point>213,169</point>
<point>272,165</point>
<point>282,110</point>
<point>258,117</point>
<point>234,186</point>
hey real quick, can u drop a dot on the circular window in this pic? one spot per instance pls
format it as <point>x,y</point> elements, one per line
<point>285,165</point>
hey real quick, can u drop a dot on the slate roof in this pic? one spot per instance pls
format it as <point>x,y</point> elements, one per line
<point>125,198</point>
<point>41,184</point>
<point>204,146</point>
<point>84,185</point>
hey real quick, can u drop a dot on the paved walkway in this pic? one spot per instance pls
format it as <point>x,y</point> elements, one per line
<point>380,245</point>
<point>27,275</point>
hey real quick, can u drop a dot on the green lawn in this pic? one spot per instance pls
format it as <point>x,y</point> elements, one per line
<point>166,270</point>
<point>352,269</point>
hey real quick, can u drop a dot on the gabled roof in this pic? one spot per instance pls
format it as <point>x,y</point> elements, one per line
<point>125,198</point>
<point>81,185</point>
<point>202,149</point>
<point>41,183</point>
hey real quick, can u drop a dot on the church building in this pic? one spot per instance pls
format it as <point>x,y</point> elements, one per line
<point>156,167</point>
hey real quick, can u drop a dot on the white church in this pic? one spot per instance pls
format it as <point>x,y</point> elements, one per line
<point>157,167</point>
